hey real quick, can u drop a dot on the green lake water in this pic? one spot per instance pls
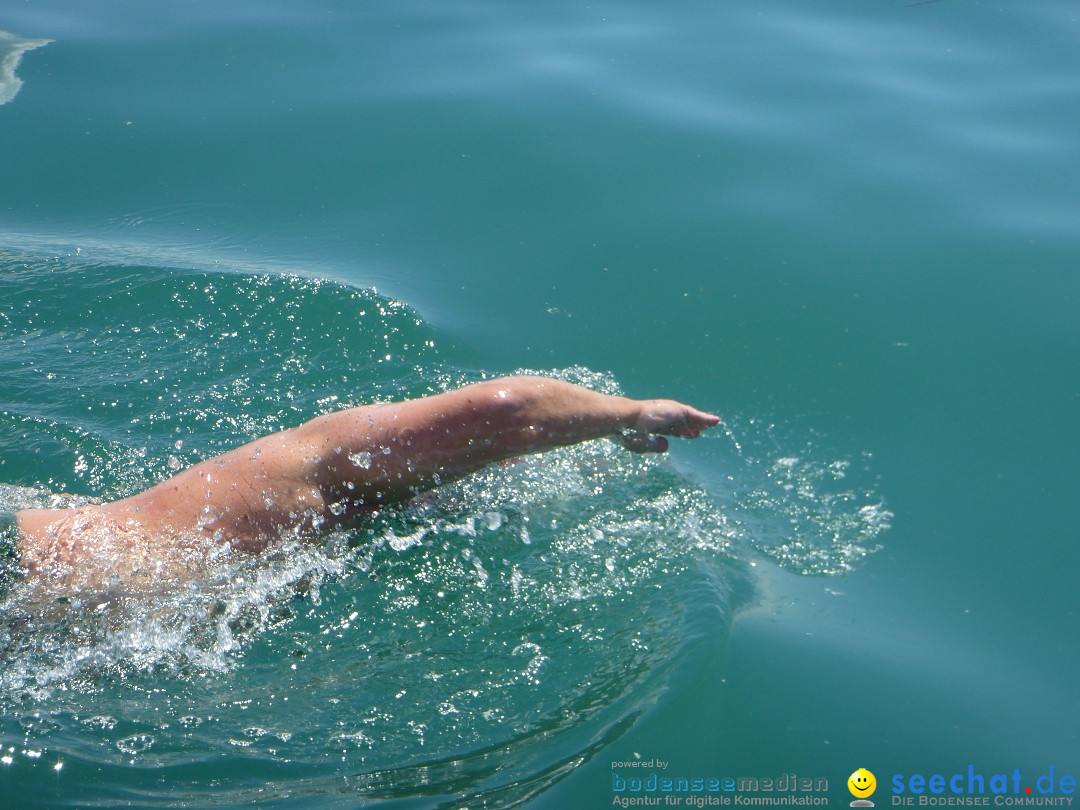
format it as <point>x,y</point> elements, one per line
<point>852,229</point>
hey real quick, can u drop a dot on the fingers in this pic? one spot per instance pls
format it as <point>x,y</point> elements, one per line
<point>666,417</point>
<point>699,420</point>
<point>674,419</point>
<point>683,431</point>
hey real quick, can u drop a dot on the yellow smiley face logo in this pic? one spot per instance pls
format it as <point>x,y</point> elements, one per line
<point>861,783</point>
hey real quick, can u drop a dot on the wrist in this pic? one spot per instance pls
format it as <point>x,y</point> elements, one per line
<point>629,414</point>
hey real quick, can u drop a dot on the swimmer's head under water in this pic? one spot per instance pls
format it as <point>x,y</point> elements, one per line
<point>329,473</point>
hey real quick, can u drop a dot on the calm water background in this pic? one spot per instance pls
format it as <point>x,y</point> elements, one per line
<point>851,228</point>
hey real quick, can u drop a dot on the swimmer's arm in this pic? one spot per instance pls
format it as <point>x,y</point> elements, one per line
<point>337,467</point>
<point>414,445</point>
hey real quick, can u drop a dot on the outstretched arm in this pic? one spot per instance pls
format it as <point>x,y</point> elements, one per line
<point>337,467</point>
<point>414,445</point>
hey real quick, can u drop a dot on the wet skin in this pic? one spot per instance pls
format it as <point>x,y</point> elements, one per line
<point>337,468</point>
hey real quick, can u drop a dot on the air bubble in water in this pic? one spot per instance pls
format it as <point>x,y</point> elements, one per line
<point>135,744</point>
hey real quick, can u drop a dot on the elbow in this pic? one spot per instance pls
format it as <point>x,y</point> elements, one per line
<point>505,402</point>
<point>510,413</point>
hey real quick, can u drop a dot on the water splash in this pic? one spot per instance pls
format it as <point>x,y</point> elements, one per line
<point>459,633</point>
<point>796,502</point>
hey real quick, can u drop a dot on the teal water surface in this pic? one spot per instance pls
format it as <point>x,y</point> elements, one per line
<point>851,229</point>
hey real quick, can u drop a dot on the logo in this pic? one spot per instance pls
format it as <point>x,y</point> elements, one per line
<point>862,785</point>
<point>970,788</point>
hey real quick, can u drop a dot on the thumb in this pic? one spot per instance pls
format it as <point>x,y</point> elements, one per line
<point>638,441</point>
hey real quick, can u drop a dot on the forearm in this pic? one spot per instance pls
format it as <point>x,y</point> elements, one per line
<point>412,445</point>
<point>521,415</point>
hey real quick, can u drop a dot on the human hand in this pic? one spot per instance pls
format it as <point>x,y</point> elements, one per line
<point>659,417</point>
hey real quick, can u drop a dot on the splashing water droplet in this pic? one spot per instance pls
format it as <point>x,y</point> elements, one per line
<point>207,515</point>
<point>135,744</point>
<point>362,459</point>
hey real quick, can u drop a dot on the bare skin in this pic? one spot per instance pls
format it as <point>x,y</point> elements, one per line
<point>334,470</point>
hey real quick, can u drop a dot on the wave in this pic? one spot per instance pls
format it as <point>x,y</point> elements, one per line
<point>12,48</point>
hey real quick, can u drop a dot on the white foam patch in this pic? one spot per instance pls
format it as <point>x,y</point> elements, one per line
<point>12,48</point>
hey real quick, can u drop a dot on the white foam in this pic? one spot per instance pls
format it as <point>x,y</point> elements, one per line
<point>12,48</point>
